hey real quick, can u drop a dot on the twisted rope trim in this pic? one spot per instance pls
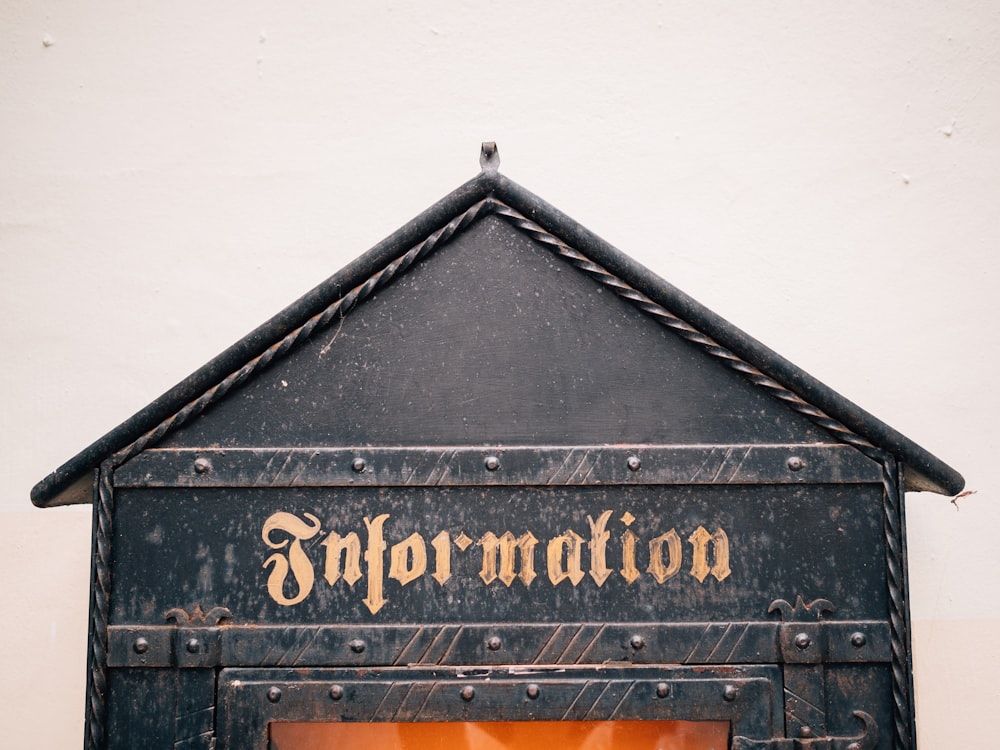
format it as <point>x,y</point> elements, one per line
<point>100,602</point>
<point>892,530</point>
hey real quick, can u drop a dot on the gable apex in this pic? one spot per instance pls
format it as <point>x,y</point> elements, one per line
<point>492,194</point>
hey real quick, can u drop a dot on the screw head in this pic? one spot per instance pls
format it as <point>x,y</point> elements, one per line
<point>202,465</point>
<point>533,691</point>
<point>492,463</point>
<point>805,732</point>
<point>637,642</point>
<point>795,463</point>
<point>274,694</point>
<point>358,465</point>
<point>662,690</point>
<point>357,646</point>
<point>633,463</point>
<point>858,640</point>
<point>140,646</point>
<point>193,646</point>
<point>468,693</point>
<point>493,644</point>
<point>337,692</point>
<point>729,693</point>
<point>803,641</point>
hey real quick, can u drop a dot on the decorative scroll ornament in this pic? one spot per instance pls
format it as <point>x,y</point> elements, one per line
<point>801,612</point>
<point>198,616</point>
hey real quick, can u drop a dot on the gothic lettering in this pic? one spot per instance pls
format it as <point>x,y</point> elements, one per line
<point>501,556</point>
<point>297,562</point>
<point>507,547</point>
<point>565,548</point>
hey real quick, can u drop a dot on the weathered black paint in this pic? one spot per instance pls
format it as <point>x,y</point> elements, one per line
<point>211,552</point>
<point>493,367</point>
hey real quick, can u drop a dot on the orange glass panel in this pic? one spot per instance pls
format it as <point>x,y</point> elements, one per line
<point>503,735</point>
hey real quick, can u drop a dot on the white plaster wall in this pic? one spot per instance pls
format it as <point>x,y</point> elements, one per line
<point>826,176</point>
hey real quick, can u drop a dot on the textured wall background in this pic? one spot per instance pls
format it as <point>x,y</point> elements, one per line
<point>826,177</point>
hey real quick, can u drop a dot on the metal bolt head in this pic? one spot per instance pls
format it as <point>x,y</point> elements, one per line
<point>854,746</point>
<point>140,646</point>
<point>633,463</point>
<point>662,690</point>
<point>533,691</point>
<point>202,465</point>
<point>193,646</point>
<point>468,693</point>
<point>729,693</point>
<point>803,641</point>
<point>358,465</point>
<point>795,463</point>
<point>493,644</point>
<point>357,646</point>
<point>492,463</point>
<point>337,692</point>
<point>274,694</point>
<point>805,732</point>
<point>637,642</point>
<point>858,640</point>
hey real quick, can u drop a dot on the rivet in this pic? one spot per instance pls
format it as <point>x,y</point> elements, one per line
<point>637,642</point>
<point>492,463</point>
<point>357,646</point>
<point>662,690</point>
<point>533,691</point>
<point>193,645</point>
<point>805,732</point>
<point>729,693</point>
<point>803,641</point>
<point>358,465</point>
<point>202,465</point>
<point>633,463</point>
<point>337,692</point>
<point>854,746</point>
<point>468,693</point>
<point>493,644</point>
<point>795,463</point>
<point>274,694</point>
<point>140,646</point>
<point>858,640</point>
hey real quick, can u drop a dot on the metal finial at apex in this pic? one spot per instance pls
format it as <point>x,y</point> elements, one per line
<point>489,157</point>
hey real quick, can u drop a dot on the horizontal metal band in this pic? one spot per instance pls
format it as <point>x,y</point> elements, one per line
<point>484,465</point>
<point>748,699</point>
<point>863,641</point>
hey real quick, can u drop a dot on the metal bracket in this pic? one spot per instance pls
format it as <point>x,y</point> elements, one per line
<point>867,740</point>
<point>803,643</point>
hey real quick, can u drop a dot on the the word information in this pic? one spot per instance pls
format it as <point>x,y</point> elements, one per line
<point>506,557</point>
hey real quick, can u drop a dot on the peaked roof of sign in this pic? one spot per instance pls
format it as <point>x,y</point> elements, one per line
<point>72,482</point>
